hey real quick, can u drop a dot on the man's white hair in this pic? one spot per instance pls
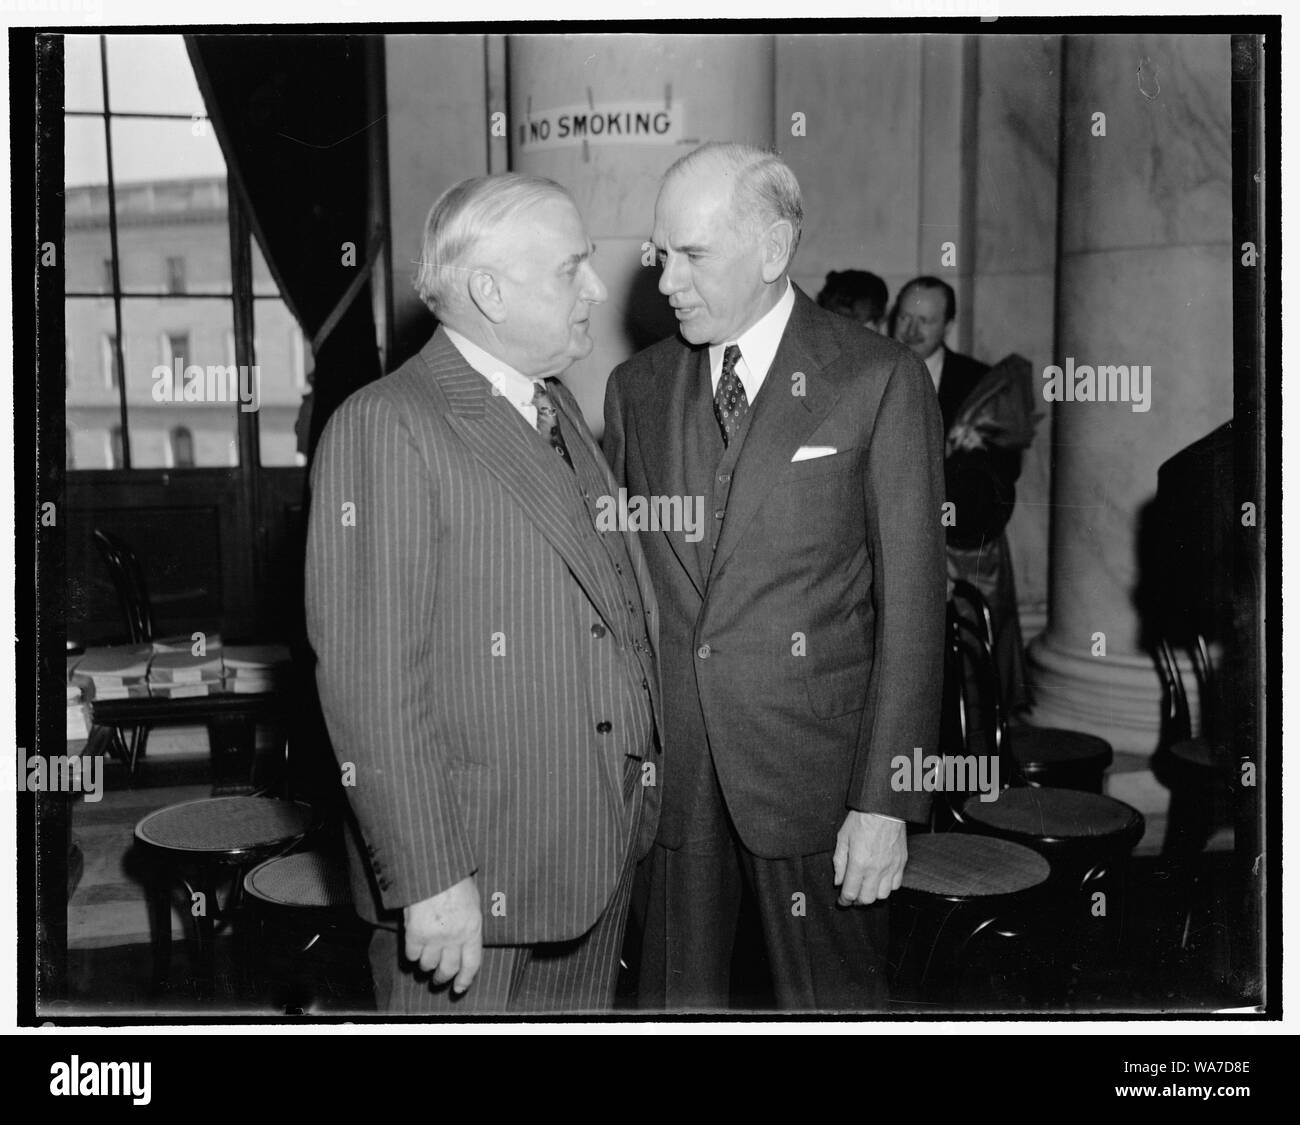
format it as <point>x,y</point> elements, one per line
<point>459,220</point>
<point>764,189</point>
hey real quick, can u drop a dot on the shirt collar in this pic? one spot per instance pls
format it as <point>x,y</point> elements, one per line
<point>515,388</point>
<point>934,361</point>
<point>758,345</point>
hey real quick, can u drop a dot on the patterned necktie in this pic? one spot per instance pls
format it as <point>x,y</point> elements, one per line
<point>548,421</point>
<point>730,403</point>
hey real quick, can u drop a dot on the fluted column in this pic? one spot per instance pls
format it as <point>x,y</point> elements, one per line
<point>1144,279</point>
<point>714,88</point>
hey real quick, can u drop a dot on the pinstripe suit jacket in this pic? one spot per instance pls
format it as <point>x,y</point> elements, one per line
<point>482,652</point>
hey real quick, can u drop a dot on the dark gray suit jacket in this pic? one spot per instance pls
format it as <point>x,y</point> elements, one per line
<point>481,655</point>
<point>843,551</point>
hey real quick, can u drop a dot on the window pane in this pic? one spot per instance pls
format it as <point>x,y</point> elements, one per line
<point>172,218</point>
<point>82,86</point>
<point>147,149</point>
<point>263,283</point>
<point>87,247</point>
<point>151,329</point>
<point>151,74</point>
<point>284,362</point>
<point>92,409</point>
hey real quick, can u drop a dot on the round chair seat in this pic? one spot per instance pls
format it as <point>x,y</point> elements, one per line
<point>225,825</point>
<point>1055,814</point>
<point>1052,745</point>
<point>1194,751</point>
<point>958,865</point>
<point>301,879</point>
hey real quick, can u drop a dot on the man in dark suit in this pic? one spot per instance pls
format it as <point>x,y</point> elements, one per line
<point>486,655</point>
<point>926,309</point>
<point>980,478</point>
<point>802,634</point>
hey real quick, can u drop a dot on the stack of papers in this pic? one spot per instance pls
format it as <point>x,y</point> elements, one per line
<point>177,675</point>
<point>78,713</point>
<point>255,668</point>
<point>113,672</point>
<point>185,642</point>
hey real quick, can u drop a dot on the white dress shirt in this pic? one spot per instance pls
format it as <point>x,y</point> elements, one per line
<point>934,361</point>
<point>515,388</point>
<point>757,345</point>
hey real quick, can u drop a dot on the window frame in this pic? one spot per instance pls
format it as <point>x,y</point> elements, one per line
<point>247,460</point>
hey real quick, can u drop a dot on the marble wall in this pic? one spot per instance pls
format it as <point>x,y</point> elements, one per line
<point>720,85</point>
<point>1012,296</point>
<point>1145,279</point>
<point>908,142</point>
<point>437,134</point>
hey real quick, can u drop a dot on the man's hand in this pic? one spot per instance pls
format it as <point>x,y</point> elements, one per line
<point>870,854</point>
<point>963,438</point>
<point>445,934</point>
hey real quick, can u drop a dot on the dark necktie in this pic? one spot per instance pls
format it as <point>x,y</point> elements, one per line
<point>730,403</point>
<point>548,421</point>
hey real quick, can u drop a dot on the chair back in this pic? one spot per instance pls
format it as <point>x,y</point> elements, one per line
<point>1178,711</point>
<point>976,607</point>
<point>972,689</point>
<point>128,580</point>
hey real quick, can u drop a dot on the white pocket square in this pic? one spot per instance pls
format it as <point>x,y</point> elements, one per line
<point>808,452</point>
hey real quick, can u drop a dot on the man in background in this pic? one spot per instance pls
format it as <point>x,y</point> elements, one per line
<point>979,475</point>
<point>927,306</point>
<point>858,294</point>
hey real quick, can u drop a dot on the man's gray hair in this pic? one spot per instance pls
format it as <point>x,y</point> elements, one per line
<point>461,217</point>
<point>765,189</point>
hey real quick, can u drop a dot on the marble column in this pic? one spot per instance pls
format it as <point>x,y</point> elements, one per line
<point>1144,279</point>
<point>718,87</point>
<point>1013,290</point>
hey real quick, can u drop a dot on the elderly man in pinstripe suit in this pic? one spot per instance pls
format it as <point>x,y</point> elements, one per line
<point>486,656</point>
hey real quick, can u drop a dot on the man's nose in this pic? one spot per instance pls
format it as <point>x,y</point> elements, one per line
<point>595,292</point>
<point>669,279</point>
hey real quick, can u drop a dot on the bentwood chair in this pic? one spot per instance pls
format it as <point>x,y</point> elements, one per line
<point>133,599</point>
<point>307,936</point>
<point>1195,762</point>
<point>1086,837</point>
<point>204,846</point>
<point>965,901</point>
<point>1050,756</point>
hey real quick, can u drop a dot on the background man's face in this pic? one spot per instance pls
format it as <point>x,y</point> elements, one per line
<point>548,285</point>
<point>712,272</point>
<point>920,322</point>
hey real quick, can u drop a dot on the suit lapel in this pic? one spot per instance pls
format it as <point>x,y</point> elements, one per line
<point>583,446</point>
<point>782,420</point>
<point>499,438</point>
<point>667,439</point>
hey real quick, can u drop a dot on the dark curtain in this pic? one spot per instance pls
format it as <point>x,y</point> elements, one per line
<point>292,116</point>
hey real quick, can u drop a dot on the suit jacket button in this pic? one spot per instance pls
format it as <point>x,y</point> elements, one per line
<point>598,631</point>
<point>604,727</point>
<point>703,652</point>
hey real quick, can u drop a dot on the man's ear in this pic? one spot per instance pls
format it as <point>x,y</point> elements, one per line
<point>778,246</point>
<point>486,295</point>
